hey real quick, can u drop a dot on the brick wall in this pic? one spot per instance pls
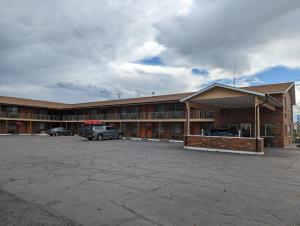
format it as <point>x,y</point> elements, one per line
<point>229,143</point>
<point>2,126</point>
<point>287,119</point>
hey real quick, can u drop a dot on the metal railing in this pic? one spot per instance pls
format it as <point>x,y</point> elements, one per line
<point>195,114</point>
<point>128,116</point>
<point>29,116</point>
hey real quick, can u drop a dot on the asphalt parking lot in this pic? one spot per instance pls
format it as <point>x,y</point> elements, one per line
<point>71,181</point>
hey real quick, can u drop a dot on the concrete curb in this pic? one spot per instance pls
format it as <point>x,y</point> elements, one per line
<point>133,138</point>
<point>175,141</point>
<point>156,140</point>
<point>224,151</point>
<point>152,139</point>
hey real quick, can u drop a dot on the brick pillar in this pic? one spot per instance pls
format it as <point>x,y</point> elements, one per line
<point>217,118</point>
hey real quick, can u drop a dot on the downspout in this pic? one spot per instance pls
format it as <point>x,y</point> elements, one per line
<point>256,119</point>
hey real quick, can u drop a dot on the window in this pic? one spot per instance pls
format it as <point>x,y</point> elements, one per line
<point>41,126</point>
<point>207,127</point>
<point>98,127</point>
<point>234,127</point>
<point>94,111</point>
<point>246,129</point>
<point>267,130</point>
<point>176,128</point>
<point>135,110</point>
<point>176,107</point>
<point>160,108</point>
<point>12,109</point>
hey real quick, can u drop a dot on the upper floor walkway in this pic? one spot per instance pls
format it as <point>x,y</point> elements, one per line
<point>165,115</point>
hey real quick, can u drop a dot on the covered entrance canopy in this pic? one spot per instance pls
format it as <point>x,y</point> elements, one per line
<point>230,100</point>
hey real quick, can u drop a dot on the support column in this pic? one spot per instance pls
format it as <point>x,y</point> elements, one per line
<point>30,127</point>
<point>6,127</point>
<point>139,132</point>
<point>158,129</point>
<point>188,115</point>
<point>257,119</point>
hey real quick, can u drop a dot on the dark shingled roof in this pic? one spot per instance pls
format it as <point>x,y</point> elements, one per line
<point>271,88</point>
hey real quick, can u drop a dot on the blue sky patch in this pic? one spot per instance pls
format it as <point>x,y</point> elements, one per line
<point>279,74</point>
<point>155,60</point>
<point>197,71</point>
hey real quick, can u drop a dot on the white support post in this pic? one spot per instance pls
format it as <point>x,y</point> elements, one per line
<point>257,119</point>
<point>188,119</point>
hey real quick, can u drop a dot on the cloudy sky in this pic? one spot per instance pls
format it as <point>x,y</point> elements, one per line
<point>74,51</point>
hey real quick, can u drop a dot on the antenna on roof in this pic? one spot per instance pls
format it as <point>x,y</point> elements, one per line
<point>119,95</point>
<point>234,72</point>
<point>153,93</point>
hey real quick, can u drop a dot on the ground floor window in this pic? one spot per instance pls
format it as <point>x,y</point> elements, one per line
<point>246,129</point>
<point>234,127</point>
<point>176,128</point>
<point>208,127</point>
<point>267,130</point>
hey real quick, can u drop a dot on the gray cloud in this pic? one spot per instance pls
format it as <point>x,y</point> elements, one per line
<point>74,51</point>
<point>67,47</point>
<point>217,33</point>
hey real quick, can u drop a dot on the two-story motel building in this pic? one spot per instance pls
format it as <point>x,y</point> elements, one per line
<point>257,112</point>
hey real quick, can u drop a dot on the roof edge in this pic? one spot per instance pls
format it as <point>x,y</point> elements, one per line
<point>222,86</point>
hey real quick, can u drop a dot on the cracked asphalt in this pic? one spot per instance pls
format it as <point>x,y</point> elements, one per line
<point>71,181</point>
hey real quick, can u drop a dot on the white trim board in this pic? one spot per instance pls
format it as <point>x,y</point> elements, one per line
<point>224,150</point>
<point>222,86</point>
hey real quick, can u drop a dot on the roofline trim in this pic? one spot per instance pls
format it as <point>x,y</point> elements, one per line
<point>289,87</point>
<point>222,86</point>
<point>276,102</point>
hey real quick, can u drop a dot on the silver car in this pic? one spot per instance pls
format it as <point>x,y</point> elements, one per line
<point>99,132</point>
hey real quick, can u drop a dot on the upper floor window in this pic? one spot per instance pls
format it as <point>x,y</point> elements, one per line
<point>94,111</point>
<point>12,109</point>
<point>160,107</point>
<point>176,107</point>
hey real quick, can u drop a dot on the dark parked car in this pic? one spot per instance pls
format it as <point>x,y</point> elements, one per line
<point>99,132</point>
<point>60,131</point>
<point>221,132</point>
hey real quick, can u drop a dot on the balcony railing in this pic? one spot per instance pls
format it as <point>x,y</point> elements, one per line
<point>195,114</point>
<point>26,116</point>
<point>128,116</point>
